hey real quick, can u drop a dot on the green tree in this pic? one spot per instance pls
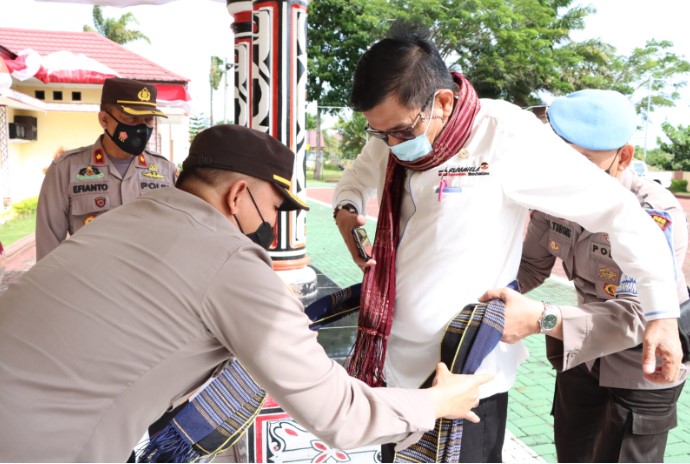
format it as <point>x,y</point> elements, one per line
<point>655,157</point>
<point>215,76</point>
<point>311,122</point>
<point>115,29</point>
<point>197,123</point>
<point>508,49</point>
<point>332,150</point>
<point>339,31</point>
<point>678,147</point>
<point>655,71</point>
<point>353,136</point>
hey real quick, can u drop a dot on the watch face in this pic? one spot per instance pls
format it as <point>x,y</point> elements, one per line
<point>549,322</point>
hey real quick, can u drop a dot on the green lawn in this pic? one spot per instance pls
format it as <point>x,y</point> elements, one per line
<point>17,228</point>
<point>330,174</point>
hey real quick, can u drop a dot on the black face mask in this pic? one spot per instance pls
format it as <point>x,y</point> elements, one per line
<point>130,139</point>
<point>263,236</point>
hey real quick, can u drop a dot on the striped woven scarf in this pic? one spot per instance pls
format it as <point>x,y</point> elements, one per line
<point>211,422</point>
<point>471,335</point>
<point>378,288</point>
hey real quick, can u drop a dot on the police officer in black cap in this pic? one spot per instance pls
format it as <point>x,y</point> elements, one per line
<point>84,183</point>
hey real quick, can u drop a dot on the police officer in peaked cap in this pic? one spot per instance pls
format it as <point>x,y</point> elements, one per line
<point>83,183</point>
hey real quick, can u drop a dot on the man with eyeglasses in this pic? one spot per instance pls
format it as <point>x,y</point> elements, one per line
<point>456,177</point>
<point>605,409</point>
<point>84,183</point>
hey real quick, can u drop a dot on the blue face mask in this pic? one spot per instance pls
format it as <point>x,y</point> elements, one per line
<point>412,150</point>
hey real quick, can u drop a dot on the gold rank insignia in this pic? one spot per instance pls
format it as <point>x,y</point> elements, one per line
<point>144,95</point>
<point>607,273</point>
<point>153,172</point>
<point>554,245</point>
<point>98,156</point>
<point>88,219</point>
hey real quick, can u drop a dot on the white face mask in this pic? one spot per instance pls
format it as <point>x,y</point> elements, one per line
<point>418,147</point>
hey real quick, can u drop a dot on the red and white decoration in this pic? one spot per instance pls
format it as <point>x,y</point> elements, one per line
<point>276,437</point>
<point>62,66</point>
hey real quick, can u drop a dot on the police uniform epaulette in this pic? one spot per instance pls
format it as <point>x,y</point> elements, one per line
<point>68,153</point>
<point>156,154</point>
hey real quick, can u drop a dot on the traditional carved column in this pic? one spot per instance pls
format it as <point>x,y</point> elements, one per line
<point>276,96</point>
<point>243,29</point>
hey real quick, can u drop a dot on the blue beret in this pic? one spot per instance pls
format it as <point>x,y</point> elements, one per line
<point>594,119</point>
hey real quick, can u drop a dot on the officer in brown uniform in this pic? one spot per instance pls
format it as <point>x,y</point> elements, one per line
<point>606,409</point>
<point>84,183</point>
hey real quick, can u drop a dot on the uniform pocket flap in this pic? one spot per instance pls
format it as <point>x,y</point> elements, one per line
<point>645,424</point>
<point>91,203</point>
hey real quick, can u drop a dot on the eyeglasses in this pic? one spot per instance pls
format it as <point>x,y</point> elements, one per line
<point>406,133</point>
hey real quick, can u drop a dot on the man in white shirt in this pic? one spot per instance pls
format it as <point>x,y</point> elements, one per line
<point>456,177</point>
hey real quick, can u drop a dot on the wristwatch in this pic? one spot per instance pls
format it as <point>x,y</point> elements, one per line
<point>549,318</point>
<point>348,206</point>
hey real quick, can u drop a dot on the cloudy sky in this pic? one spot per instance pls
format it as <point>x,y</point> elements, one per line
<point>186,33</point>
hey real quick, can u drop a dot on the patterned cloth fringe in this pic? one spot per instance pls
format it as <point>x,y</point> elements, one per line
<point>211,422</point>
<point>378,288</point>
<point>471,335</point>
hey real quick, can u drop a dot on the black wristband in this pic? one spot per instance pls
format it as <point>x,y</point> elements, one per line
<point>348,206</point>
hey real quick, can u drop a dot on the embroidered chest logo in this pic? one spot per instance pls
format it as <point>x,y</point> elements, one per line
<point>481,170</point>
<point>152,172</point>
<point>89,173</point>
<point>100,202</point>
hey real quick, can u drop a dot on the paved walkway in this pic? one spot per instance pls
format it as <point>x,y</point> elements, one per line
<point>530,425</point>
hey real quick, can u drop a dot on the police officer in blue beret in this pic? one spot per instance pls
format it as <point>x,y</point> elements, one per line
<point>606,409</point>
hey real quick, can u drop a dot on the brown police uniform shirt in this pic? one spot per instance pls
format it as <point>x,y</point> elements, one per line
<point>128,316</point>
<point>82,184</point>
<point>609,318</point>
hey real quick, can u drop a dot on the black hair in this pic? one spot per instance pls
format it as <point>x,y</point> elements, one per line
<point>406,64</point>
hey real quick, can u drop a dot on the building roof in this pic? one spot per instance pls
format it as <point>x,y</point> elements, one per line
<point>125,62</point>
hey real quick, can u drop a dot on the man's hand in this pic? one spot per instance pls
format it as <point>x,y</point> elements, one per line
<point>521,314</point>
<point>346,221</point>
<point>455,395</point>
<point>661,339</point>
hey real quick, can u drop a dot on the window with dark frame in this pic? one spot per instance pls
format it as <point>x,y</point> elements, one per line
<point>76,96</point>
<point>40,94</point>
<point>57,95</point>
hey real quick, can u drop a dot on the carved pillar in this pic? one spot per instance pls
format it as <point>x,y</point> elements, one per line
<point>275,94</point>
<point>243,29</point>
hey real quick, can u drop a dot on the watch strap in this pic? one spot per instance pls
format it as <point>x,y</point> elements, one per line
<point>347,206</point>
